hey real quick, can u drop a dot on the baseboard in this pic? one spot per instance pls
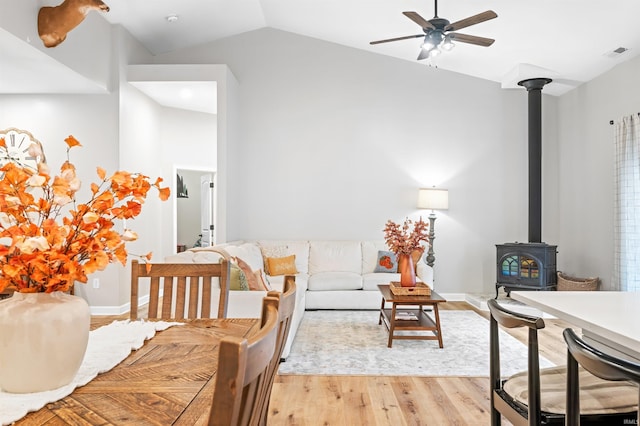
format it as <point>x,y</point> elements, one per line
<point>453,297</point>
<point>117,310</point>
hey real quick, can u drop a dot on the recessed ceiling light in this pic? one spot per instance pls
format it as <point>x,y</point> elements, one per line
<point>172,18</point>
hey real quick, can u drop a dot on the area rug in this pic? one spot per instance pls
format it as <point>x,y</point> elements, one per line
<point>352,343</point>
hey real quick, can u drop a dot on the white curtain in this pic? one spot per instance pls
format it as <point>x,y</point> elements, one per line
<point>626,274</point>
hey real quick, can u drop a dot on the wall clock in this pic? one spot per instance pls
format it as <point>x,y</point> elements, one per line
<point>16,149</point>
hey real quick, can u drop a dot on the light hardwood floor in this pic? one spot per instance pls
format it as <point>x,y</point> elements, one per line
<point>389,400</point>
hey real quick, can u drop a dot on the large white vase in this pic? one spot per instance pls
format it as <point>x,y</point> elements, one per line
<point>43,338</point>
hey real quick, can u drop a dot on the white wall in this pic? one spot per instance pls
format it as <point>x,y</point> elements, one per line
<point>93,120</point>
<point>586,169</point>
<point>334,141</point>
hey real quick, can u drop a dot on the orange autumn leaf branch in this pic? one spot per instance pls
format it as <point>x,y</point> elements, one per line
<point>405,238</point>
<point>48,241</point>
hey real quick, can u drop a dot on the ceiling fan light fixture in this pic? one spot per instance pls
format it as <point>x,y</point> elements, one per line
<point>428,44</point>
<point>447,44</point>
<point>434,52</point>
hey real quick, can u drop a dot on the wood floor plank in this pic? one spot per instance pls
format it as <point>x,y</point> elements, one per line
<point>458,391</point>
<point>332,406</point>
<point>73,412</point>
<point>358,408</point>
<point>386,407</point>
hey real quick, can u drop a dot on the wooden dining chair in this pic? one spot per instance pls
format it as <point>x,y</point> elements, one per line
<point>538,396</point>
<point>286,305</point>
<point>244,365</point>
<point>187,289</point>
<point>604,366</point>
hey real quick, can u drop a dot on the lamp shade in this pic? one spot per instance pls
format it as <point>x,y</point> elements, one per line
<point>433,199</point>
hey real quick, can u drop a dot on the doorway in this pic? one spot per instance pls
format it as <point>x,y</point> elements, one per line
<point>195,202</point>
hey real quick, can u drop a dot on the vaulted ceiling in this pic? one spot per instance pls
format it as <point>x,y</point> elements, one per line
<point>571,41</point>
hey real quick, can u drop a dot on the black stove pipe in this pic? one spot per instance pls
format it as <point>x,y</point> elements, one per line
<point>534,88</point>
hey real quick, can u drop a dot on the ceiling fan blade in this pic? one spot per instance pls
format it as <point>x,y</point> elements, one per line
<point>396,39</point>
<point>415,17</point>
<point>465,38</point>
<point>472,20</point>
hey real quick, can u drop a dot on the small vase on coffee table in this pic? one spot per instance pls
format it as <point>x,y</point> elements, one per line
<point>407,270</point>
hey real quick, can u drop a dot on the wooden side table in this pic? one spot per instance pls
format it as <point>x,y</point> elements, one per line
<point>422,321</point>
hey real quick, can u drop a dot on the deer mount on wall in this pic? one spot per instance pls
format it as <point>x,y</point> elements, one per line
<point>54,22</point>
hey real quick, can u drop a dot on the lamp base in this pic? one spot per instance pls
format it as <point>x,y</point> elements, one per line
<point>430,259</point>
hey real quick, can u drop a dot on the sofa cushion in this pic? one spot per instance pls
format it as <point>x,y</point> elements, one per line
<point>249,252</point>
<point>387,261</point>
<point>281,248</point>
<point>206,257</point>
<point>370,251</point>
<point>282,265</point>
<point>372,280</point>
<point>277,282</point>
<point>335,256</point>
<point>335,281</point>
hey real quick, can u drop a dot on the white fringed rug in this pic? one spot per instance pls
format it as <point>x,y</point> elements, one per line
<point>107,347</point>
<point>352,343</point>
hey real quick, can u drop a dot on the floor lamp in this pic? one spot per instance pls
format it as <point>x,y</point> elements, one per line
<point>432,199</point>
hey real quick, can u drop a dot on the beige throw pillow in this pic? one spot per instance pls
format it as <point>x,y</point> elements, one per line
<point>273,251</point>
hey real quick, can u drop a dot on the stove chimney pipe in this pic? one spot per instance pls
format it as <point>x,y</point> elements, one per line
<point>534,88</point>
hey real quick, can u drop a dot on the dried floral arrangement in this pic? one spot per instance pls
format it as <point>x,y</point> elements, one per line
<point>48,241</point>
<point>405,238</point>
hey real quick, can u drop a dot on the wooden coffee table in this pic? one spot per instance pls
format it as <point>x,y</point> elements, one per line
<point>423,321</point>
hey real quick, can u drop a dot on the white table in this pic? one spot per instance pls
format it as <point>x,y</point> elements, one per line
<point>609,318</point>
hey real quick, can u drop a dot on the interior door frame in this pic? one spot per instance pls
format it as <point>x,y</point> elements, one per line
<point>174,180</point>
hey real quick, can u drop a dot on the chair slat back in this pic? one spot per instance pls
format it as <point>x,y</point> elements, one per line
<point>186,289</point>
<point>243,370</point>
<point>510,319</point>
<point>286,306</point>
<point>598,363</point>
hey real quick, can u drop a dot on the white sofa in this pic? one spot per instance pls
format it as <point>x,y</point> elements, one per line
<point>330,275</point>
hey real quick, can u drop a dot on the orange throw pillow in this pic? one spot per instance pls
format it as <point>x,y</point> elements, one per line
<point>282,265</point>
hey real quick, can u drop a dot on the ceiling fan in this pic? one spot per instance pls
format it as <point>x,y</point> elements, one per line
<point>439,32</point>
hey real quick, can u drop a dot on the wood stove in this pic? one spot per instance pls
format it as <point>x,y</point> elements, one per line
<point>532,265</point>
<point>526,266</point>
